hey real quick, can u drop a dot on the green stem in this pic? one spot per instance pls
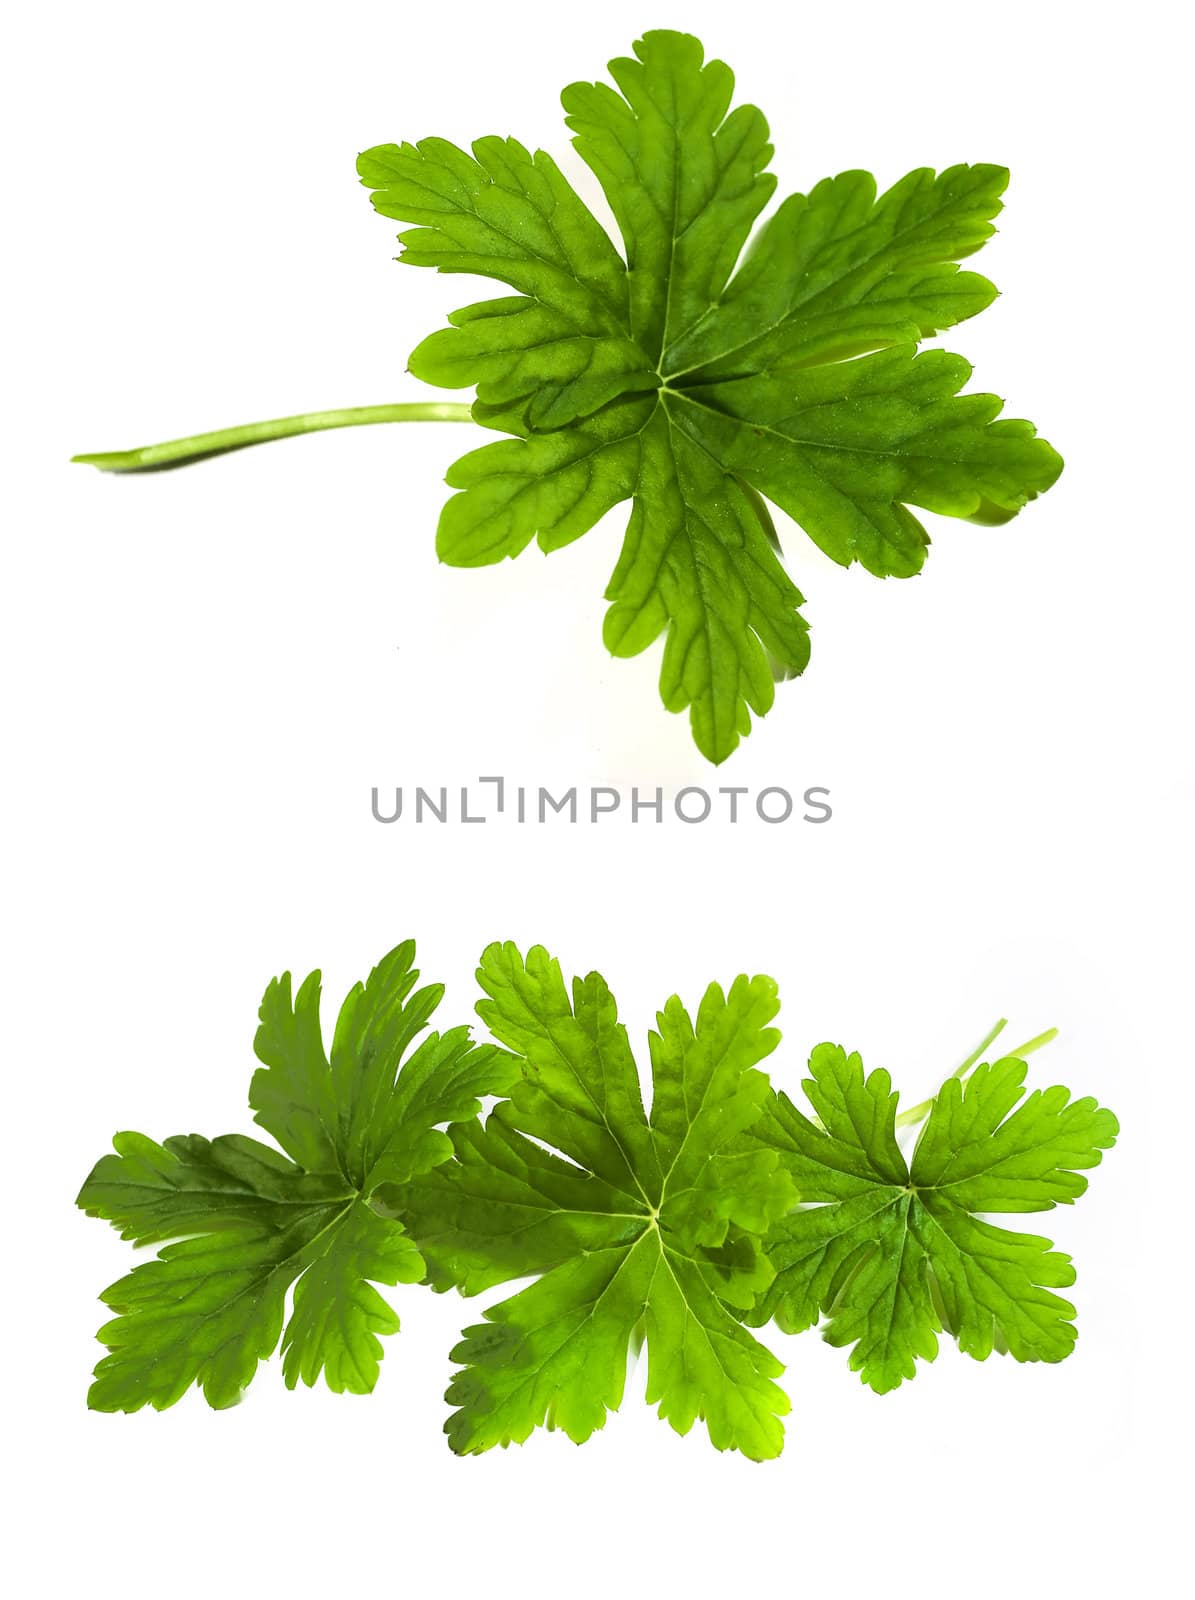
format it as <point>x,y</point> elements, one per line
<point>1023,1050</point>
<point>918,1113</point>
<point>179,452</point>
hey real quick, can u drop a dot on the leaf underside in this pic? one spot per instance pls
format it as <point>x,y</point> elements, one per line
<point>690,375</point>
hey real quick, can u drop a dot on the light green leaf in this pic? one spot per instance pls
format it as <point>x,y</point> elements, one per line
<point>892,1252</point>
<point>212,1306</point>
<point>629,1223</point>
<point>338,1313</point>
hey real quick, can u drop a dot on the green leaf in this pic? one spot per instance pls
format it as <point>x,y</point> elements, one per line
<point>189,1184</point>
<point>251,1222</point>
<point>684,176</point>
<point>632,1225</point>
<point>893,1252</point>
<point>205,1311</point>
<point>697,563</point>
<point>690,382</point>
<point>562,345</point>
<point>550,486</point>
<point>835,273</point>
<point>337,1311</point>
<point>846,449</point>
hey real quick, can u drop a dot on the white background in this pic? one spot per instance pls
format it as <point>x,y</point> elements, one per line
<point>206,671</point>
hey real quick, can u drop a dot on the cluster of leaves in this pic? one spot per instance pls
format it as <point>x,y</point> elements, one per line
<point>699,386</point>
<point>722,1207</point>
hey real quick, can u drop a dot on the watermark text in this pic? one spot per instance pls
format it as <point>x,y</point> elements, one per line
<point>494,799</point>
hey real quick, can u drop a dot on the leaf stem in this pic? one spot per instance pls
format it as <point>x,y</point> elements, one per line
<point>198,446</point>
<point>918,1113</point>
<point>1023,1050</point>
